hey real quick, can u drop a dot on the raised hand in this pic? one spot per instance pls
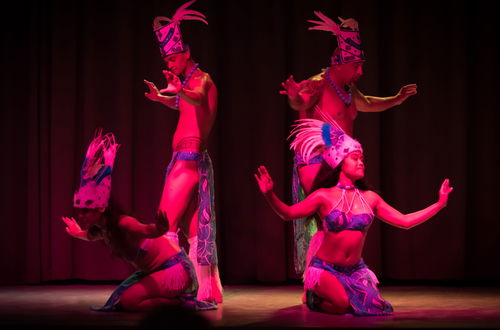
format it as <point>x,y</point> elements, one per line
<point>266,184</point>
<point>444,191</point>
<point>291,87</point>
<point>73,228</point>
<point>174,83</point>
<point>405,92</point>
<point>153,94</point>
<point>350,23</point>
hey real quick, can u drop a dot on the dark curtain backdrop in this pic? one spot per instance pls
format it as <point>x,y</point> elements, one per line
<point>68,68</point>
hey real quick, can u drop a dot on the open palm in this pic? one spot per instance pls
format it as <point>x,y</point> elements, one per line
<point>72,227</point>
<point>266,184</point>
<point>444,191</point>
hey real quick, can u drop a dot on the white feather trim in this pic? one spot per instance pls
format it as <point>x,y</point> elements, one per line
<point>101,151</point>
<point>311,277</point>
<point>326,24</point>
<point>183,14</point>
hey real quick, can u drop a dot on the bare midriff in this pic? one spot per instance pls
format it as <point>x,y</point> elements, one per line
<point>343,248</point>
<point>190,143</point>
<point>195,122</point>
<point>160,250</point>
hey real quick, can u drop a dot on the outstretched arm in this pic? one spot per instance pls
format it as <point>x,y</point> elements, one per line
<point>142,230</point>
<point>307,207</point>
<point>74,230</point>
<point>366,103</point>
<point>406,221</point>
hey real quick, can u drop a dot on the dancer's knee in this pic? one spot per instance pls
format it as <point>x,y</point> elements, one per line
<point>131,299</point>
<point>332,294</point>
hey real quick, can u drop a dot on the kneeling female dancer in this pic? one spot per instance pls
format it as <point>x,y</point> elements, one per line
<point>336,279</point>
<point>165,274</point>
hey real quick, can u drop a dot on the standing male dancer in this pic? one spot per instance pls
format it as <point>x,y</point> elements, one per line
<point>188,194</point>
<point>331,94</point>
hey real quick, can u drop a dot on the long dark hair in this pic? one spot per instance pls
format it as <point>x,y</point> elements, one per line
<point>328,177</point>
<point>113,236</point>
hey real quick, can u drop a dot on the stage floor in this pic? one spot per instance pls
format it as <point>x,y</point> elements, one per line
<point>65,306</point>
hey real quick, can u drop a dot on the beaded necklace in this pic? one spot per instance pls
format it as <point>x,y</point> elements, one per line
<point>347,101</point>
<point>184,82</point>
<point>342,186</point>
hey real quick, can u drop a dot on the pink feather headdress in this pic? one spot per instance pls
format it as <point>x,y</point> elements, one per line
<point>349,43</point>
<point>169,35</point>
<point>313,137</point>
<point>95,175</point>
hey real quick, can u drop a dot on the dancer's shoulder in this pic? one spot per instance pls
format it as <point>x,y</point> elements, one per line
<point>317,77</point>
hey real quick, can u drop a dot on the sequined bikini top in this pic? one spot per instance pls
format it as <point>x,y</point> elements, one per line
<point>338,220</point>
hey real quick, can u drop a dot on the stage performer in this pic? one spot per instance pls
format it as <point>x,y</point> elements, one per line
<point>165,274</point>
<point>188,193</point>
<point>332,92</point>
<point>336,279</point>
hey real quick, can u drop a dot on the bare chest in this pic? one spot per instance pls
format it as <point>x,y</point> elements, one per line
<point>331,104</point>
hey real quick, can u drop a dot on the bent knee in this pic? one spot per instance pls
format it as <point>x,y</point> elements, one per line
<point>340,302</point>
<point>332,291</point>
<point>334,307</point>
<point>130,301</point>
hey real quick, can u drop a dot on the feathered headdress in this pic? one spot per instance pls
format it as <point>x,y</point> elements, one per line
<point>169,35</point>
<point>313,137</point>
<point>95,175</point>
<point>349,43</point>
